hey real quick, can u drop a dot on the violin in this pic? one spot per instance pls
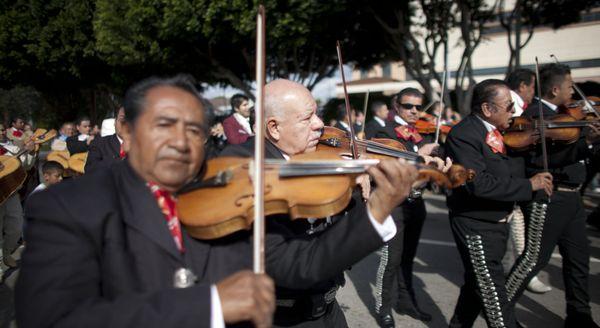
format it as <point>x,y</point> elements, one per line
<point>429,127</point>
<point>588,110</point>
<point>524,132</point>
<point>336,141</point>
<point>309,185</point>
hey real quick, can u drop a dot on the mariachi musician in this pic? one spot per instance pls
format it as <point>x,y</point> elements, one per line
<point>11,212</point>
<point>106,150</point>
<point>399,253</point>
<point>107,249</point>
<point>564,224</point>
<point>307,278</point>
<point>479,211</point>
<point>80,142</point>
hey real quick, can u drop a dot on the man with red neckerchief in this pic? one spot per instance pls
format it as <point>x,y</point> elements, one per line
<point>399,253</point>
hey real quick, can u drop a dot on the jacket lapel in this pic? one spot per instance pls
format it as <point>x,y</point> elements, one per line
<point>115,146</point>
<point>141,211</point>
<point>271,151</point>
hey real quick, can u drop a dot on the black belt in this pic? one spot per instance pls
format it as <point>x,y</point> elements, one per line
<point>309,306</point>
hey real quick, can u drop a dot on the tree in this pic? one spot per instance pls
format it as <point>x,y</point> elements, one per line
<point>215,39</point>
<point>526,15</point>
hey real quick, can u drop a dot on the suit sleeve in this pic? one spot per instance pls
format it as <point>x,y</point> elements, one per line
<point>301,262</point>
<point>60,282</point>
<point>231,132</point>
<point>75,146</point>
<point>94,158</point>
<point>465,151</point>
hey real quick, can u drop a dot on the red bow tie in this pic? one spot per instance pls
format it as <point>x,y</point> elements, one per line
<point>122,152</point>
<point>495,140</point>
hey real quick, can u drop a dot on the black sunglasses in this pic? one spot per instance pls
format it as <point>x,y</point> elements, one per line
<point>410,106</point>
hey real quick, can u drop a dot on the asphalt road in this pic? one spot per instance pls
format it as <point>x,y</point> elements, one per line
<point>438,277</point>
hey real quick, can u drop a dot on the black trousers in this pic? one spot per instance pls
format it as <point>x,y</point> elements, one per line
<point>290,317</point>
<point>482,245</point>
<point>564,226</point>
<point>398,256</point>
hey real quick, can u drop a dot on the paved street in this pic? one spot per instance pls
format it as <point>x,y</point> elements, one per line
<point>439,275</point>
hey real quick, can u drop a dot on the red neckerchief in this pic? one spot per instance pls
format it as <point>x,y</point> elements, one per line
<point>525,105</point>
<point>3,150</point>
<point>166,202</point>
<point>407,132</point>
<point>495,140</point>
<point>122,152</point>
<point>17,133</point>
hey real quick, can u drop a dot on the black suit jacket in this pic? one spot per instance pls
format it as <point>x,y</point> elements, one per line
<point>496,186</point>
<point>564,160</point>
<point>102,152</point>
<point>99,254</point>
<point>375,130</point>
<point>75,146</point>
<point>303,263</point>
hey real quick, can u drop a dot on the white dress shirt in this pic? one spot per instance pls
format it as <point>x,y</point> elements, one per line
<point>380,121</point>
<point>244,122</point>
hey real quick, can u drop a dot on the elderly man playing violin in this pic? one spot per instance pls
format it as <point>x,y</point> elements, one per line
<point>107,249</point>
<point>308,274</point>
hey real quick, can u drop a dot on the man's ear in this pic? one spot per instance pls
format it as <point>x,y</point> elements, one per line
<point>555,91</point>
<point>273,129</point>
<point>126,135</point>
<point>486,110</point>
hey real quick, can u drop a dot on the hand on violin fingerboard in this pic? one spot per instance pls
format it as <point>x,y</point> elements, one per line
<point>394,179</point>
<point>593,135</point>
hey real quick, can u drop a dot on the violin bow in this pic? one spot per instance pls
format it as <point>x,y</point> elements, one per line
<point>365,105</point>
<point>259,147</point>
<point>353,145</point>
<point>439,120</point>
<point>588,106</point>
<point>542,126</point>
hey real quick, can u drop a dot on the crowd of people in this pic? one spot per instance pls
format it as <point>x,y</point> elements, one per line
<point>104,246</point>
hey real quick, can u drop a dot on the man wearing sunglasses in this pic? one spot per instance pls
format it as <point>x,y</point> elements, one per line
<point>399,253</point>
<point>480,210</point>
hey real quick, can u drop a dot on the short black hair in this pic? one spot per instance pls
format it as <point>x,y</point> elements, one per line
<point>81,119</point>
<point>15,118</point>
<point>376,105</point>
<point>237,100</point>
<point>518,76</point>
<point>52,166</point>
<point>397,98</point>
<point>136,95</point>
<point>485,92</point>
<point>552,75</point>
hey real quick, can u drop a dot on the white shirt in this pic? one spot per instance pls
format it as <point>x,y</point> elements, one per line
<point>345,125</point>
<point>550,105</point>
<point>244,122</point>
<point>40,187</point>
<point>83,137</point>
<point>519,103</point>
<point>216,313</point>
<point>399,120</point>
<point>380,121</point>
<point>488,126</point>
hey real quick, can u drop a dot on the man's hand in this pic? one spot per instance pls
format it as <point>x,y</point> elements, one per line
<point>394,179</point>
<point>438,162</point>
<point>246,296</point>
<point>427,149</point>
<point>542,181</point>
<point>593,135</point>
<point>89,140</point>
<point>29,146</point>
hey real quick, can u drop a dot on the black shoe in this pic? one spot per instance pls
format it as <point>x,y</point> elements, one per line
<point>413,312</point>
<point>580,320</point>
<point>385,320</point>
